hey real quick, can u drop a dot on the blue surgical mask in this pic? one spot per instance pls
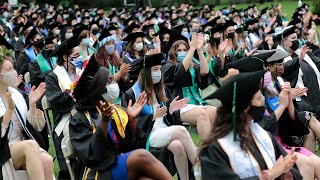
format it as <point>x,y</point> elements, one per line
<point>86,41</point>
<point>110,49</point>
<point>76,61</point>
<point>185,34</point>
<point>181,55</point>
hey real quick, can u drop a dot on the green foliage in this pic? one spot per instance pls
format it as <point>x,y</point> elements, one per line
<point>5,53</point>
<point>316,7</point>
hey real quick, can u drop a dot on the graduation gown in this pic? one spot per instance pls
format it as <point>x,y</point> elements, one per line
<point>311,102</point>
<point>176,77</point>
<point>36,75</point>
<point>61,104</point>
<point>23,62</point>
<point>215,163</point>
<point>4,148</point>
<point>93,148</point>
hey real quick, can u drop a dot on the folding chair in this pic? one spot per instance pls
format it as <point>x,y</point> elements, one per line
<point>68,152</point>
<point>27,82</point>
<point>46,107</point>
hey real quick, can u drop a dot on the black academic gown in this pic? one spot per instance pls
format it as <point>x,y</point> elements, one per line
<point>94,149</point>
<point>176,77</point>
<point>215,162</point>
<point>23,62</point>
<point>311,102</point>
<point>36,75</point>
<point>61,104</point>
<point>4,149</point>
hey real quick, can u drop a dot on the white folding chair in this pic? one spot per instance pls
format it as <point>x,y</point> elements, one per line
<point>27,81</point>
<point>46,107</point>
<point>68,152</point>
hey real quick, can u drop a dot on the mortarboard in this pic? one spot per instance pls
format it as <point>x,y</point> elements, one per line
<point>284,33</point>
<point>66,45</point>
<point>27,25</point>
<point>276,57</point>
<point>31,35</point>
<point>44,41</point>
<point>78,28</point>
<point>134,36</point>
<point>228,24</point>
<point>131,27</point>
<point>53,25</point>
<point>5,43</point>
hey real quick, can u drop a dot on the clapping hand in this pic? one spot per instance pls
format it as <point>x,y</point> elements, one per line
<point>176,104</point>
<point>160,112</point>
<point>135,109</point>
<point>106,111</point>
<point>36,94</point>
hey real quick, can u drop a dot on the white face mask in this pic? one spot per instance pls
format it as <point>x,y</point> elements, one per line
<point>156,76</point>
<point>56,32</point>
<point>68,35</point>
<point>113,92</point>
<point>10,78</point>
<point>138,46</point>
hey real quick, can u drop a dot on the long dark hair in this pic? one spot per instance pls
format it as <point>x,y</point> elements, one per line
<point>149,87</point>
<point>222,126</point>
<point>95,89</point>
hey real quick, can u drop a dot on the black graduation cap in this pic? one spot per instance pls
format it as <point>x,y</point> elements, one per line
<point>130,28</point>
<point>31,35</point>
<point>5,43</point>
<point>285,32</point>
<point>134,36</point>
<point>78,28</point>
<point>126,21</point>
<point>163,24</point>
<point>44,41</point>
<point>295,22</point>
<point>228,24</point>
<point>264,10</point>
<point>153,15</point>
<point>148,61</point>
<point>178,28</point>
<point>53,25</point>
<point>66,45</point>
<point>105,33</point>
<point>81,88</point>
<point>251,63</point>
<point>241,28</point>
<point>27,25</point>
<point>252,21</point>
<point>163,31</point>
<point>239,90</point>
<point>110,28</point>
<point>146,28</point>
<point>276,57</point>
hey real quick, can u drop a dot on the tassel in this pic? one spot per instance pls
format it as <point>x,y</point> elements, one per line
<point>234,111</point>
<point>144,73</point>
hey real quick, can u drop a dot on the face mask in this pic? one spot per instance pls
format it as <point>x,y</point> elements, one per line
<point>230,35</point>
<point>5,14</point>
<point>295,45</point>
<point>154,21</point>
<point>264,17</point>
<point>110,49</point>
<point>114,36</point>
<point>95,31</point>
<point>86,41</point>
<point>47,53</point>
<point>156,76</point>
<point>68,35</point>
<point>257,113</point>
<point>241,14</point>
<point>56,32</point>
<point>65,16</point>
<point>138,46</point>
<point>185,34</point>
<point>76,61</point>
<point>113,92</point>
<point>10,78</point>
<point>181,55</point>
<point>196,30</point>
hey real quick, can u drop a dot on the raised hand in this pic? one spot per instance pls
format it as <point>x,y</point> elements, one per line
<point>10,101</point>
<point>304,50</point>
<point>223,45</point>
<point>160,112</point>
<point>36,94</point>
<point>297,92</point>
<point>194,41</point>
<point>284,97</point>
<point>152,51</point>
<point>124,69</point>
<point>290,159</point>
<point>106,111</point>
<point>200,42</point>
<point>135,109</point>
<point>176,104</point>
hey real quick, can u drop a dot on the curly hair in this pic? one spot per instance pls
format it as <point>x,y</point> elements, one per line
<point>222,126</point>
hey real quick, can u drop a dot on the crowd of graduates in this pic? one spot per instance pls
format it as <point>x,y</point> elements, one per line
<point>124,86</point>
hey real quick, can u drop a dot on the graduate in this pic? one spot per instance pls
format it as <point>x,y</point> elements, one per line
<point>42,65</point>
<point>21,125</point>
<point>135,48</point>
<point>59,93</point>
<point>184,79</point>
<point>238,148</point>
<point>301,69</point>
<point>30,51</point>
<point>102,133</point>
<point>162,113</point>
<point>86,44</point>
<point>288,131</point>
<point>108,57</point>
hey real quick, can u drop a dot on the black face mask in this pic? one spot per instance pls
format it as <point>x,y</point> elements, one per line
<point>95,31</point>
<point>216,41</point>
<point>230,35</point>
<point>46,53</point>
<point>257,113</point>
<point>295,45</point>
